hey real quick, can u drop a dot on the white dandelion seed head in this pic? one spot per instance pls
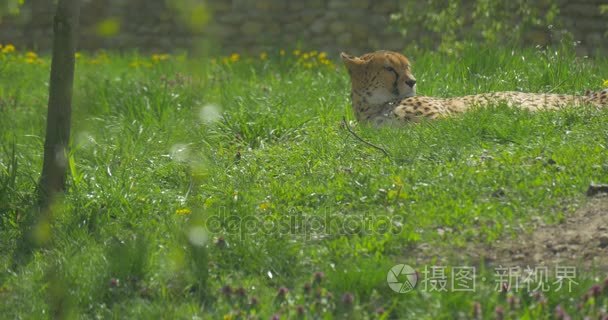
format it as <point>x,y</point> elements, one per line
<point>198,236</point>
<point>210,113</point>
<point>179,152</point>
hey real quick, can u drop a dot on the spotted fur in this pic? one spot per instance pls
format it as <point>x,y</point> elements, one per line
<point>384,91</point>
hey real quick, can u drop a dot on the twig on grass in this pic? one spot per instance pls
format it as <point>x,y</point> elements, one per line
<point>347,126</point>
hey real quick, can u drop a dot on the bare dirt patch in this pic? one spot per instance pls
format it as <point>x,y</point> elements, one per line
<point>580,240</point>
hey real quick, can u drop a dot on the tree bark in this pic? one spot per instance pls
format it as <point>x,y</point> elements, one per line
<point>56,145</point>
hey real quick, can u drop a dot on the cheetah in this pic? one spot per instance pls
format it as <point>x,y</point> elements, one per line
<point>384,92</point>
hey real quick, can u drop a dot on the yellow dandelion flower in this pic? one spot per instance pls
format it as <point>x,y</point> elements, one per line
<point>100,57</point>
<point>308,65</point>
<point>305,56</point>
<point>78,55</point>
<point>313,53</point>
<point>137,63</point>
<point>296,52</point>
<point>605,83</point>
<point>281,52</point>
<point>264,206</point>
<point>235,57</point>
<point>183,212</point>
<point>31,55</point>
<point>322,55</point>
<point>160,57</point>
<point>263,56</point>
<point>32,58</point>
<point>8,48</point>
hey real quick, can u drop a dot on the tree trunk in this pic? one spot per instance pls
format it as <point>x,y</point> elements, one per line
<point>65,28</point>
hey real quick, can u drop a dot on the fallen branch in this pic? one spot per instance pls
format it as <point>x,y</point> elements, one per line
<point>347,126</point>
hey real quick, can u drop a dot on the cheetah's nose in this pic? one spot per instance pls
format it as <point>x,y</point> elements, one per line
<point>410,83</point>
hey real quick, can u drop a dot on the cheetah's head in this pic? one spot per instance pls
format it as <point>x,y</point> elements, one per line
<point>380,77</point>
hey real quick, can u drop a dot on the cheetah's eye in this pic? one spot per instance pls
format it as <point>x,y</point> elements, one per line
<point>391,69</point>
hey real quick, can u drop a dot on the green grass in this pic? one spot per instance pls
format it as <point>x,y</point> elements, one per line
<point>274,190</point>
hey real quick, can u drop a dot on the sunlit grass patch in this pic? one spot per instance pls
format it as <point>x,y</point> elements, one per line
<point>226,186</point>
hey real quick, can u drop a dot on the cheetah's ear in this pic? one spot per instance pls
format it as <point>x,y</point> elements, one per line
<point>351,61</point>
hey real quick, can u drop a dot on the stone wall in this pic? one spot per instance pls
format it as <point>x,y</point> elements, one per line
<point>588,25</point>
<point>329,25</point>
<point>261,25</point>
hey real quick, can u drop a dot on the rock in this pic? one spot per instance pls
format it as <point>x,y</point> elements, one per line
<point>594,38</point>
<point>595,189</point>
<point>344,39</point>
<point>297,5</point>
<point>385,7</point>
<point>337,27</point>
<point>251,28</point>
<point>519,256</point>
<point>220,31</point>
<point>270,5</point>
<point>338,4</point>
<point>272,29</point>
<point>308,16</point>
<point>359,4</point>
<point>318,26</point>
<point>230,18</point>
<point>603,241</point>
<point>359,31</point>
